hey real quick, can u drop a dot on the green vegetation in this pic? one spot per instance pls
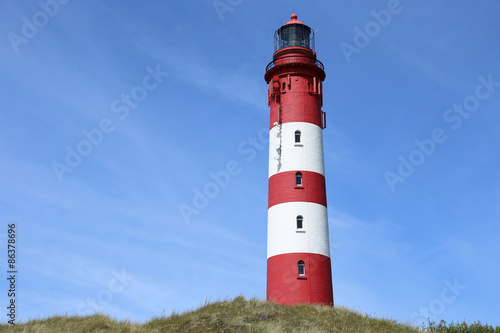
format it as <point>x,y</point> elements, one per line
<point>442,327</point>
<point>238,315</point>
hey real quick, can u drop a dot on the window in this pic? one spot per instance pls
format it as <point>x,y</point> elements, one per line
<point>299,222</point>
<point>298,179</point>
<point>283,87</point>
<point>297,136</point>
<point>302,268</point>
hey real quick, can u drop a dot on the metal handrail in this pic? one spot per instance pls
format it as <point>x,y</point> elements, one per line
<point>317,62</point>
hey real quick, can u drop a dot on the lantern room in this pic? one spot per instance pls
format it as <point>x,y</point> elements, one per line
<point>294,33</point>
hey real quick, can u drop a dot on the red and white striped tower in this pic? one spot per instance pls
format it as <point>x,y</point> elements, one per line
<point>298,247</point>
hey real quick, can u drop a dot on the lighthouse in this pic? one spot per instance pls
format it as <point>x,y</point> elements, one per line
<point>298,246</point>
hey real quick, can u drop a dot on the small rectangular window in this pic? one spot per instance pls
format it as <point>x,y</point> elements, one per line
<point>297,136</point>
<point>299,222</point>
<point>302,268</point>
<point>298,179</point>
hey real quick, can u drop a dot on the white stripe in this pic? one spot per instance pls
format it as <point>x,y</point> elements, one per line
<point>283,235</point>
<point>306,155</point>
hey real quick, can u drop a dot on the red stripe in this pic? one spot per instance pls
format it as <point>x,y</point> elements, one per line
<point>299,103</point>
<point>282,188</point>
<point>285,286</point>
<point>299,106</point>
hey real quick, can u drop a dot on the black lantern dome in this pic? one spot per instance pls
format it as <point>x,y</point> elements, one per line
<point>293,34</point>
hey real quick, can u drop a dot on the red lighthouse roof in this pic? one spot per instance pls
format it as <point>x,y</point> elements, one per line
<point>294,20</point>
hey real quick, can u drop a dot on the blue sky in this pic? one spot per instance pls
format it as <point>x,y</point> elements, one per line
<point>161,98</point>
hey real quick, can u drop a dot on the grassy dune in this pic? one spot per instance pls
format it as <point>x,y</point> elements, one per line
<point>238,315</point>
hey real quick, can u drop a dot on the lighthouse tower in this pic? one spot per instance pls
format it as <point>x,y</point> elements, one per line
<point>298,247</point>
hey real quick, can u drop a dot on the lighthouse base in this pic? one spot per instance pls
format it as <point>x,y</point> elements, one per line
<point>286,286</point>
